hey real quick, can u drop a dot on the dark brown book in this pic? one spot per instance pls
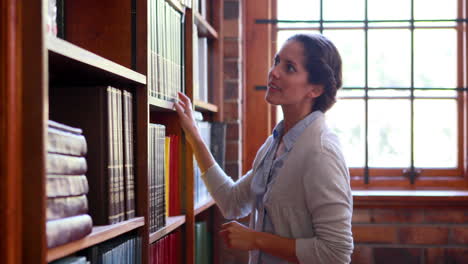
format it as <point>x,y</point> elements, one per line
<point>66,185</point>
<point>65,230</point>
<point>65,165</point>
<point>90,108</point>
<point>63,207</point>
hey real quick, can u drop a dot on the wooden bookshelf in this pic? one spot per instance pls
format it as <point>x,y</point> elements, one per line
<point>205,107</point>
<point>157,104</point>
<point>204,28</point>
<point>205,206</point>
<point>105,44</point>
<point>99,234</point>
<point>69,63</point>
<point>172,223</point>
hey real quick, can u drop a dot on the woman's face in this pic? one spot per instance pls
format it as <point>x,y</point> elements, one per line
<point>287,78</point>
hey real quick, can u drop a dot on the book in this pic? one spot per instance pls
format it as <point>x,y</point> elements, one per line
<point>218,142</point>
<point>63,207</point>
<point>174,162</point>
<point>65,164</point>
<point>129,176</point>
<point>65,230</point>
<point>62,139</point>
<point>66,185</point>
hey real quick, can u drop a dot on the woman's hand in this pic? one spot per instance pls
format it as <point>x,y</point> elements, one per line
<point>238,236</point>
<point>183,108</point>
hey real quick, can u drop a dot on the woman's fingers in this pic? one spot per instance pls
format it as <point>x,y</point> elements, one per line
<point>184,99</point>
<point>179,109</point>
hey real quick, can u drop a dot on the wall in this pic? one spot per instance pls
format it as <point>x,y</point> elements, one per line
<point>233,81</point>
<point>410,235</point>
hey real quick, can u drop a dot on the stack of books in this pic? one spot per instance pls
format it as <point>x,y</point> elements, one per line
<point>67,185</point>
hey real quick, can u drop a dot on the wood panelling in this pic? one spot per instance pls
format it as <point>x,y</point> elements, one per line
<point>10,133</point>
<point>257,115</point>
<point>33,122</point>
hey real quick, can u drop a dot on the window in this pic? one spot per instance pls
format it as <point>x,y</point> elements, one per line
<point>400,114</point>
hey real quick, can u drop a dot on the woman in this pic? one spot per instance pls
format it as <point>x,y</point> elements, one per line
<point>298,191</point>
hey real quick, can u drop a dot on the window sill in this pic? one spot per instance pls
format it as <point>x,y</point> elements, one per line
<point>410,198</point>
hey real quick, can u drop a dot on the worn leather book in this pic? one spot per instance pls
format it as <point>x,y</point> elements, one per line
<point>66,185</point>
<point>65,230</point>
<point>65,165</point>
<point>63,139</point>
<point>63,207</point>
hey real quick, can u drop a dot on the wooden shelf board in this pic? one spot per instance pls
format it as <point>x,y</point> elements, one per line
<point>204,206</point>
<point>177,5</point>
<point>204,28</point>
<point>205,107</point>
<point>98,235</point>
<point>157,104</point>
<point>70,64</point>
<point>172,223</point>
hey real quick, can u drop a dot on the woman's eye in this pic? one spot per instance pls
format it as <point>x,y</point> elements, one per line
<point>275,61</point>
<point>290,68</point>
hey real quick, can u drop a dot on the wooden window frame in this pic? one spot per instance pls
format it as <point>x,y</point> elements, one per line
<point>382,178</point>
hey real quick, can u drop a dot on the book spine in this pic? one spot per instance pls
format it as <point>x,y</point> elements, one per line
<point>66,206</point>
<point>111,216</point>
<point>62,142</point>
<point>63,127</point>
<point>65,165</point>
<point>65,230</point>
<point>66,185</point>
<point>128,156</point>
<point>120,157</point>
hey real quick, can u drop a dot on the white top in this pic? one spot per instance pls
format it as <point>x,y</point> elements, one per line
<point>310,199</point>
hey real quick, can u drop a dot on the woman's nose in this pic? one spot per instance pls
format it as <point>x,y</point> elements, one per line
<point>274,72</point>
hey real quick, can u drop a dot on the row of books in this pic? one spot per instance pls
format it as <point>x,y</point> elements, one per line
<point>156,176</point>
<point>166,51</point>
<point>201,192</point>
<point>214,136</point>
<point>163,176</point>
<point>105,114</point>
<point>166,250</point>
<point>66,185</point>
<point>200,73</point>
<point>124,249</point>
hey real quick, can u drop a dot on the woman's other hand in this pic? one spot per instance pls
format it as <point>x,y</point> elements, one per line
<point>238,236</point>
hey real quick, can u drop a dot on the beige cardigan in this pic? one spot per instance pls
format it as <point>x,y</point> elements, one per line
<point>309,200</point>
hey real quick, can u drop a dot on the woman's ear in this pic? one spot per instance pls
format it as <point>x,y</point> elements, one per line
<point>315,90</point>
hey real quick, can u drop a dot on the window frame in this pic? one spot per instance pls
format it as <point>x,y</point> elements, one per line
<point>399,178</point>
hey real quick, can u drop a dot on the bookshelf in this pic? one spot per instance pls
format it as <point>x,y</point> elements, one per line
<point>98,235</point>
<point>105,44</point>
